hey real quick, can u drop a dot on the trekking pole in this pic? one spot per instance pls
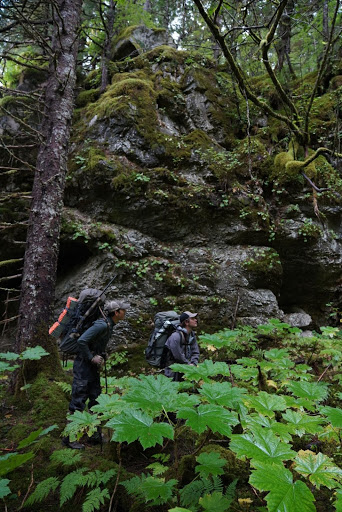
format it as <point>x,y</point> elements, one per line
<point>105,370</point>
<point>93,306</point>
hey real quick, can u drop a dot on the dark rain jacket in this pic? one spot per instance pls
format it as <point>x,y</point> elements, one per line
<point>94,340</point>
<point>182,348</point>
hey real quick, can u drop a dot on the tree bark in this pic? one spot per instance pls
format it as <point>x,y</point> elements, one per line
<point>283,47</point>
<point>40,265</point>
<point>109,28</point>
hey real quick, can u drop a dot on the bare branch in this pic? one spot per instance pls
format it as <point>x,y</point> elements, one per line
<point>19,120</point>
<point>265,45</point>
<point>320,72</point>
<point>242,80</point>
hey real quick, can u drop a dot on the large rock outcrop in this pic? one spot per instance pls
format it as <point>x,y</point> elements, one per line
<point>172,186</point>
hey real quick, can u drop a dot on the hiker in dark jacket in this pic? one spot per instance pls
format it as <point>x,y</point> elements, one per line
<point>182,345</point>
<point>91,356</point>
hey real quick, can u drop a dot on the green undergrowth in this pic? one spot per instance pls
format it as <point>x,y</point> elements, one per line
<point>260,411</point>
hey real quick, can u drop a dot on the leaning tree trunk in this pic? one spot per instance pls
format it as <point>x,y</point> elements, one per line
<point>283,46</point>
<point>39,274</point>
<point>107,49</point>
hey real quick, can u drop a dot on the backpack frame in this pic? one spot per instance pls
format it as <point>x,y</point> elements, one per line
<point>165,323</point>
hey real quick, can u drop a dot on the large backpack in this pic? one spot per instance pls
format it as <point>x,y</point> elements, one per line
<point>75,319</point>
<point>165,323</point>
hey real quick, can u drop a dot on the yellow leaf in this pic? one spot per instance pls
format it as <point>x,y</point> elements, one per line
<point>245,503</point>
<point>272,384</point>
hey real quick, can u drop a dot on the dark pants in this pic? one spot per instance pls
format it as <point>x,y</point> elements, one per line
<point>175,376</point>
<point>86,385</point>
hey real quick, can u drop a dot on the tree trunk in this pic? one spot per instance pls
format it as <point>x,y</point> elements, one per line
<point>109,28</point>
<point>147,6</point>
<point>39,274</point>
<point>325,21</point>
<point>283,47</point>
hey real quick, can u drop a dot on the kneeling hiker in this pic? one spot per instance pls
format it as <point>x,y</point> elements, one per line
<point>92,345</point>
<point>182,345</point>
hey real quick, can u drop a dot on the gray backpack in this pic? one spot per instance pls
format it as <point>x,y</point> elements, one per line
<point>80,319</point>
<point>165,323</point>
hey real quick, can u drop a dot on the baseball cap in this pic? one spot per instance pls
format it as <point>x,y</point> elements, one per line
<point>186,315</point>
<point>114,305</point>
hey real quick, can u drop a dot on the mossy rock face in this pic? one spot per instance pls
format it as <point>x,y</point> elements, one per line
<point>137,39</point>
<point>336,82</point>
<point>122,96</point>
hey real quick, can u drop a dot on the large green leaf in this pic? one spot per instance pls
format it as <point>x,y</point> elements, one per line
<point>300,403</point>
<point>262,445</point>
<point>34,353</point>
<point>303,423</point>
<point>278,354</point>
<point>80,423</point>
<point>244,374</point>
<point>319,468</point>
<point>108,405</point>
<point>11,461</point>
<point>34,436</point>
<point>215,502</point>
<point>9,356</point>
<point>283,430</point>
<point>135,425</point>
<point>7,367</point>
<point>317,391</point>
<point>338,502</point>
<point>265,403</point>
<point>179,509</point>
<point>155,394</point>
<point>222,393</point>
<point>284,494</point>
<point>157,490</point>
<point>210,464</point>
<point>4,489</point>
<point>333,414</point>
<point>203,371</point>
<point>150,488</point>
<point>210,416</point>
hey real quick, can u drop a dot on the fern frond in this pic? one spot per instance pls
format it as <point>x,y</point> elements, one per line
<point>133,485</point>
<point>95,478</point>
<point>214,485</point>
<point>230,491</point>
<point>42,490</point>
<point>191,493</point>
<point>95,499</point>
<point>70,484</point>
<point>66,457</point>
<point>66,388</point>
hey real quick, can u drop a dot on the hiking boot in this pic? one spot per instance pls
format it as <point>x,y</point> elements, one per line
<point>74,445</point>
<point>96,438</point>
